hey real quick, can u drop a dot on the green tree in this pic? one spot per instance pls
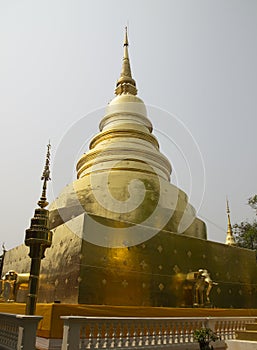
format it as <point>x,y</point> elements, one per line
<point>246,232</point>
<point>252,201</point>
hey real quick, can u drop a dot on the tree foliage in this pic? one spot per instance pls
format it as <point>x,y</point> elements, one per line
<point>253,202</point>
<point>204,336</point>
<point>246,232</point>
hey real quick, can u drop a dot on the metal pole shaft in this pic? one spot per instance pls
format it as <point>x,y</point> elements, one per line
<point>33,283</point>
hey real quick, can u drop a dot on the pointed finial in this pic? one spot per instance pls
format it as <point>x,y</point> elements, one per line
<point>45,177</point>
<point>228,211</point>
<point>126,37</point>
<point>230,240</point>
<point>126,84</point>
<point>3,248</point>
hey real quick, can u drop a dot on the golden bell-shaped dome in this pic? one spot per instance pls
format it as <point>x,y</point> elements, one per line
<point>125,137</point>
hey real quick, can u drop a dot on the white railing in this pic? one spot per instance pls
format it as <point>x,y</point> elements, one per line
<point>226,327</point>
<point>18,331</point>
<point>133,333</point>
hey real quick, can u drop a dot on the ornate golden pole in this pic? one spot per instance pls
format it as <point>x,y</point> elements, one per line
<point>38,238</point>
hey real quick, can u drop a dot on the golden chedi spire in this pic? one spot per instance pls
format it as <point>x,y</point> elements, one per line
<point>125,132</point>
<point>230,240</point>
<point>126,84</point>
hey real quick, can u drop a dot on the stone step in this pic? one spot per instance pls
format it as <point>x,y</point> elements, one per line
<point>247,335</point>
<point>241,345</point>
<point>251,326</point>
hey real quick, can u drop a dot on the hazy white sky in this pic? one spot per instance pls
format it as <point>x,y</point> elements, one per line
<point>194,61</point>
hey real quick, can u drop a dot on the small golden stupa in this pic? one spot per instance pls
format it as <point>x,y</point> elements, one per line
<point>230,240</point>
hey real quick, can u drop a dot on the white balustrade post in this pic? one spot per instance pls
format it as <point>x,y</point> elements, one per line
<point>230,329</point>
<point>210,323</point>
<point>71,334</point>
<point>99,336</point>
<point>27,331</point>
<point>147,334</point>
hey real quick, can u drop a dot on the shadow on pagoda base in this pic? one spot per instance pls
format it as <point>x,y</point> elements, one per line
<point>158,272</point>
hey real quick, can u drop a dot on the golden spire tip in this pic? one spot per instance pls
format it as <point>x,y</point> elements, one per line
<point>126,84</point>
<point>126,37</point>
<point>228,211</point>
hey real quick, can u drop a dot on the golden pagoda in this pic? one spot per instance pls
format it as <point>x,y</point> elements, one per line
<point>124,235</point>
